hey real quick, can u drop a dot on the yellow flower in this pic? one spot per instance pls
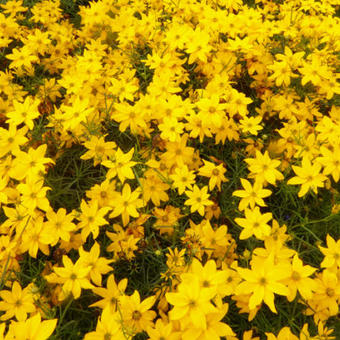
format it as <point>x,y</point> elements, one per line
<point>72,276</point>
<point>127,204</point>
<point>251,195</point>
<point>24,112</point>
<point>198,199</point>
<point>22,58</point>
<point>166,219</point>
<point>153,188</point>
<point>120,165</point>
<point>18,302</point>
<point>238,104</point>
<point>91,218</point>
<point>104,193</point>
<point>327,293</point>
<point>215,173</point>
<point>178,153</point>
<point>32,329</point>
<point>14,6</point>
<point>282,73</point>
<point>299,280</point>
<point>262,281</point>
<point>136,314</point>
<point>251,125</point>
<point>162,330</point>
<point>330,159</point>
<point>308,175</point>
<point>284,334</point>
<point>314,71</point>
<point>183,179</point>
<point>332,253</point>
<point>191,302</point>
<point>33,194</point>
<point>108,327</point>
<point>98,149</point>
<point>111,294</point>
<point>11,139</point>
<point>171,129</point>
<point>208,275</point>
<point>33,239</point>
<point>128,116</point>
<point>76,114</point>
<point>255,224</point>
<point>98,265</point>
<point>211,111</point>
<point>31,163</point>
<point>263,168</point>
<point>198,46</point>
<point>59,225</point>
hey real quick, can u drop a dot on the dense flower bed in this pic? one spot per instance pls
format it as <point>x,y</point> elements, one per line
<point>169,169</point>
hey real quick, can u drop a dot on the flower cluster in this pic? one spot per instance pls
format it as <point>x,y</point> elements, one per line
<point>169,169</point>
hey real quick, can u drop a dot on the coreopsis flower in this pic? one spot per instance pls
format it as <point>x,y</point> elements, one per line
<point>314,71</point>
<point>198,199</point>
<point>18,302</point>
<point>254,223</point>
<point>166,219</point>
<point>208,275</point>
<point>331,252</point>
<point>211,111</point>
<point>33,238</point>
<point>120,165</point>
<point>299,280</point>
<point>162,330</point>
<point>238,104</point>
<point>178,153</point>
<point>32,328</point>
<point>330,159</point>
<point>136,314</point>
<point>175,258</point>
<point>251,125</point>
<point>215,173</point>
<point>99,150</point>
<point>191,302</point>
<point>127,204</point>
<point>76,114</point>
<point>171,129</point>
<point>58,226</point>
<point>327,293</point>
<point>11,139</point>
<point>309,176</point>
<point>98,265</point>
<point>128,116</point>
<point>33,194</point>
<point>104,193</point>
<point>262,281</point>
<point>263,168</point>
<point>73,277</point>
<point>153,188</point>
<point>111,294</point>
<point>284,334</point>
<point>109,326</point>
<point>31,163</point>
<point>13,7</point>
<point>22,57</point>
<point>198,46</point>
<point>91,218</point>
<point>24,112</point>
<point>215,330</point>
<point>282,73</point>
<point>251,195</point>
<point>183,179</point>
